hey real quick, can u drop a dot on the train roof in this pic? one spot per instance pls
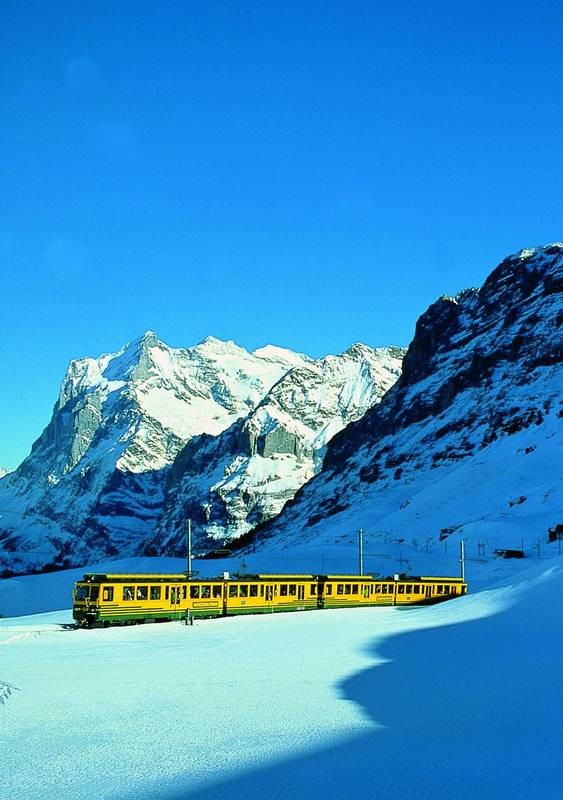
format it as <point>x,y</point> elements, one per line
<point>402,578</point>
<point>101,577</point>
<point>284,575</point>
<point>97,577</point>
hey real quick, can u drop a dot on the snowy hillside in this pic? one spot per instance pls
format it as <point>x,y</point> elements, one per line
<point>468,442</point>
<point>461,700</point>
<point>230,483</point>
<point>96,479</point>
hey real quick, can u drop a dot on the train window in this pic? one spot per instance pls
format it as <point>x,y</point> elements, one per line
<point>313,588</point>
<point>440,589</point>
<point>243,591</point>
<point>408,588</point>
<point>366,590</point>
<point>329,588</point>
<point>354,588</point>
<point>339,588</point>
<point>194,592</point>
<point>184,592</point>
<point>107,593</point>
<point>128,592</point>
<point>233,591</point>
<point>401,589</point>
<point>416,589</point>
<point>379,588</point>
<point>82,592</point>
<point>166,592</point>
<point>253,592</point>
<point>217,591</point>
<point>206,591</point>
<point>292,589</point>
<point>155,592</point>
<point>283,590</point>
<point>261,590</point>
<point>142,592</point>
<point>347,588</point>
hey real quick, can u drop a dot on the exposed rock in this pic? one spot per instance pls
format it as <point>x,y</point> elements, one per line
<point>96,480</point>
<point>482,367</point>
<point>230,483</point>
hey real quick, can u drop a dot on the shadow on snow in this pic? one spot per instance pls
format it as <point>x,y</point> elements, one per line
<point>469,710</point>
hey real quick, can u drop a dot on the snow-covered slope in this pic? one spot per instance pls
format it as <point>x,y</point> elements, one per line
<point>230,483</point>
<point>96,479</point>
<point>461,700</point>
<point>467,444</point>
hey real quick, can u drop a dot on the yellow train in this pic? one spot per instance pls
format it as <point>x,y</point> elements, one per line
<point>100,599</point>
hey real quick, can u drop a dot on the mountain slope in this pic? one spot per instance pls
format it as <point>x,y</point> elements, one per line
<point>230,483</point>
<point>467,441</point>
<point>96,480</point>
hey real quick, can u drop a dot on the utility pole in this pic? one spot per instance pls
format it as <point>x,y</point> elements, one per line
<point>361,551</point>
<point>189,545</point>
<point>462,560</point>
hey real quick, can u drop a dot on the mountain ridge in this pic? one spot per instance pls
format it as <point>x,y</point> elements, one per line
<point>96,479</point>
<point>482,367</point>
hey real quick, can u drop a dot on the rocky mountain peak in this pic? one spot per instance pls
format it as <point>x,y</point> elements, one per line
<point>261,461</point>
<point>102,466</point>
<point>467,438</point>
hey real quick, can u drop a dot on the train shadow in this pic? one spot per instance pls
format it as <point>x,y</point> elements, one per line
<point>465,711</point>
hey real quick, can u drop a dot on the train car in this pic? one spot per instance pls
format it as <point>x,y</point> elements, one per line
<point>106,599</point>
<point>343,591</point>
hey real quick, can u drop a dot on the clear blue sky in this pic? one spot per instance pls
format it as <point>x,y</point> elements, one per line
<point>304,173</point>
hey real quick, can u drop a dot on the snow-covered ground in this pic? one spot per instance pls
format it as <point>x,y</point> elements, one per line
<point>461,700</point>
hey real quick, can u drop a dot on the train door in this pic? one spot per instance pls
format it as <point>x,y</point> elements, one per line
<point>428,592</point>
<point>300,592</point>
<point>175,595</point>
<point>269,595</point>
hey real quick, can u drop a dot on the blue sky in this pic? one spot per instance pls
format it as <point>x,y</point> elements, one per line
<point>307,174</point>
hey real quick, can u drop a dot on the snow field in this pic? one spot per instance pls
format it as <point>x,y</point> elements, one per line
<point>460,700</point>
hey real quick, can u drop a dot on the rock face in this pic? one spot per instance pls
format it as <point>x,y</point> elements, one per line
<point>468,439</point>
<point>230,483</point>
<point>97,478</point>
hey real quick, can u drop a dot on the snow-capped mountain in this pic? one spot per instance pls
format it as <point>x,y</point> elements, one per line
<point>96,479</point>
<point>3,472</point>
<point>467,443</point>
<point>230,483</point>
